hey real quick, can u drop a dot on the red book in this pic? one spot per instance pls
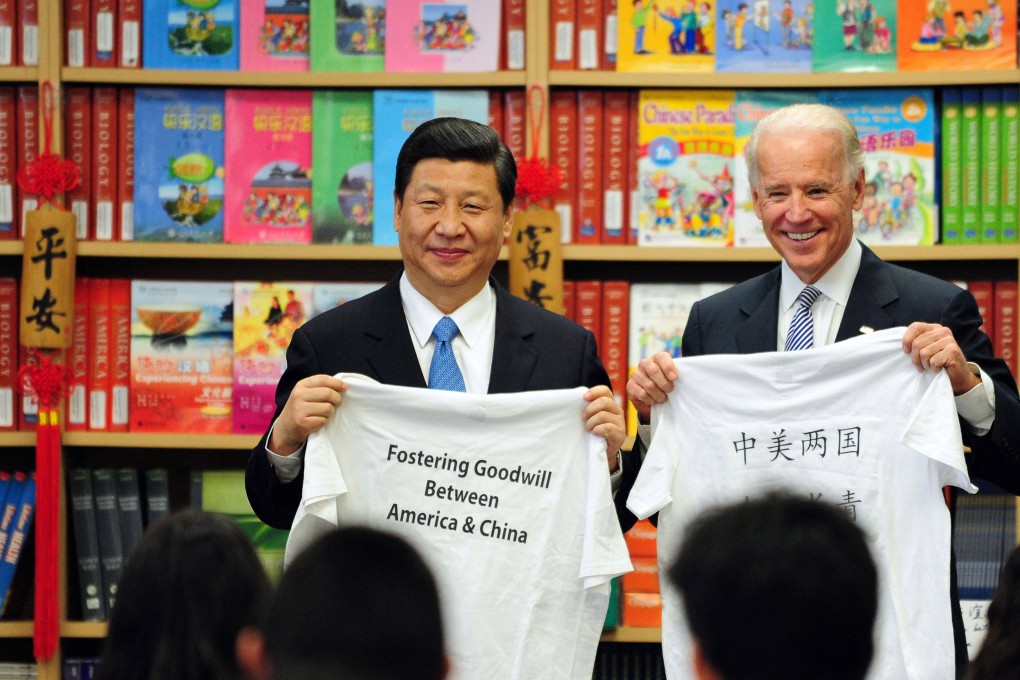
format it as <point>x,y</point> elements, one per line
<point>27,142</point>
<point>609,13</point>
<point>634,153</point>
<point>77,32</point>
<point>496,111</point>
<point>8,33</point>
<point>588,307</point>
<point>126,163</point>
<point>512,54</point>
<point>129,33</point>
<point>983,292</point>
<point>78,150</point>
<point>591,126</point>
<point>563,154</point>
<point>28,31</point>
<point>569,300</point>
<point>120,354</point>
<point>562,25</point>
<point>589,34</point>
<point>99,354</point>
<point>514,134</point>
<point>8,354</point>
<point>77,418</point>
<point>615,175</point>
<point>9,224</point>
<point>1004,342</point>
<point>28,414</point>
<point>104,33</point>
<point>104,163</point>
<point>613,344</point>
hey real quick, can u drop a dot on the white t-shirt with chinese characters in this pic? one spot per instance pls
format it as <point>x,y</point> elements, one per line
<point>853,423</point>
<point>508,498</point>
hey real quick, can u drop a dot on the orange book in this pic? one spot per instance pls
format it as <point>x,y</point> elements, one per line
<point>563,155</point>
<point>514,134</point>
<point>590,41</point>
<point>569,297</point>
<point>9,224</point>
<point>129,33</point>
<point>104,163</point>
<point>644,578</point>
<point>642,610</point>
<point>78,150</point>
<point>8,33</point>
<point>120,354</point>
<point>641,539</point>
<point>609,14</point>
<point>8,354</point>
<point>614,340</point>
<point>27,143</point>
<point>591,128</point>
<point>28,32</point>
<point>959,35</point>
<point>1004,342</point>
<point>633,154</point>
<point>77,417</point>
<point>77,32</point>
<point>588,307</point>
<point>104,33</point>
<point>126,163</point>
<point>615,175</point>
<point>496,111</point>
<point>512,54</point>
<point>562,25</point>
<point>984,294</point>
<point>99,355</point>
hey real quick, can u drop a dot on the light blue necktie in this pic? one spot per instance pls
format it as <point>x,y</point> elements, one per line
<point>444,374</point>
<point>802,328</point>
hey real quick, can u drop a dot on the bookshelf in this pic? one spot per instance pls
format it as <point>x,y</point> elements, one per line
<point>219,260</point>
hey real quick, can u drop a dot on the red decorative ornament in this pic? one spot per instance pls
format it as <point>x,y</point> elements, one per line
<point>49,174</point>
<point>536,179</point>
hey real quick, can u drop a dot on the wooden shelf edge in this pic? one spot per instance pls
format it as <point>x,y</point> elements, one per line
<point>19,74</point>
<point>161,440</point>
<point>16,629</point>
<point>628,634</point>
<point>936,253</point>
<point>13,439</point>
<point>83,629</point>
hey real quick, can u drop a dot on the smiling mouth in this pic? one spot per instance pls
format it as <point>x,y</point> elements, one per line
<point>802,237</point>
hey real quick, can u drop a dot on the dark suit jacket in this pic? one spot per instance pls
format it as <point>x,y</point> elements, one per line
<point>534,350</point>
<point>744,319</point>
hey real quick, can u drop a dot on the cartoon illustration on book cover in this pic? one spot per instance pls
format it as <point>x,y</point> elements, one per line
<point>284,33</point>
<point>765,36</point>
<point>674,35</point>
<point>442,36</point>
<point>963,34</point>
<point>361,27</point>
<point>855,35</point>
<point>201,27</point>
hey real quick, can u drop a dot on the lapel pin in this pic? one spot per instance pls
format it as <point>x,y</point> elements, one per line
<point>867,329</point>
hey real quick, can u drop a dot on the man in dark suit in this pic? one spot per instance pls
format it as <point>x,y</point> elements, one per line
<point>806,171</point>
<point>453,207</point>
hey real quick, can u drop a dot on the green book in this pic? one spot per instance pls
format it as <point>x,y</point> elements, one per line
<point>990,159</point>
<point>1010,164</point>
<point>951,178</point>
<point>347,36</point>
<point>970,164</point>
<point>342,158</point>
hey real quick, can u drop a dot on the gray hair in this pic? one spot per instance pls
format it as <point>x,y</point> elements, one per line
<point>797,118</point>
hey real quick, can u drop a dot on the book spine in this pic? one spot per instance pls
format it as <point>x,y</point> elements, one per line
<point>99,355</point>
<point>78,146</point>
<point>28,413</point>
<point>126,163</point>
<point>562,24</point>
<point>104,163</point>
<point>129,508</point>
<point>77,388</point>
<point>563,155</point>
<point>8,33</point>
<point>129,33</point>
<point>27,143</point>
<point>120,354</point>
<point>990,156</point>
<point>111,550</point>
<point>634,152</point>
<point>970,166</point>
<point>591,124</point>
<point>589,35</point>
<point>614,341</point>
<point>514,134</point>
<point>569,299</point>
<point>28,31</point>
<point>86,544</point>
<point>983,292</point>
<point>18,539</point>
<point>9,225</point>
<point>616,179</point>
<point>77,33</point>
<point>513,35</point>
<point>951,178</point>
<point>8,354</point>
<point>9,509</point>
<point>1005,340</point>
<point>157,495</point>
<point>609,48</point>
<point>104,33</point>
<point>496,119</point>
<point>1010,164</point>
<point>588,306</point>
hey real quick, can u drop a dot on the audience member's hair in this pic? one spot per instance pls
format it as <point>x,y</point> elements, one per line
<point>188,587</point>
<point>999,654</point>
<point>357,603</point>
<point>778,588</point>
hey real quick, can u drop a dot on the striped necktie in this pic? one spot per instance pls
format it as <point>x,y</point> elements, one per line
<point>802,328</point>
<point>444,374</point>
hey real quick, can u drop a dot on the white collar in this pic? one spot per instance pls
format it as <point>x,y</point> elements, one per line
<point>422,315</point>
<point>835,284</point>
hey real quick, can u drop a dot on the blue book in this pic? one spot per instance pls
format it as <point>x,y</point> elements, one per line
<point>9,507</point>
<point>5,485</point>
<point>18,537</point>
<point>396,113</point>
<point>762,39</point>
<point>179,165</point>
<point>184,34</point>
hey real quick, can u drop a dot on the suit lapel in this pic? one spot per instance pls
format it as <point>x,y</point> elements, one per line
<point>761,306</point>
<point>392,354</point>
<point>872,292</point>
<point>513,360</point>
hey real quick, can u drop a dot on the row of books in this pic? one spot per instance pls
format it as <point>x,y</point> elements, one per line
<point>12,670</point>
<point>17,502</point>
<point>294,35</point>
<point>79,668</point>
<point>629,661</point>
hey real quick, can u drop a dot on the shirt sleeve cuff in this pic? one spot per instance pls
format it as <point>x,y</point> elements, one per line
<point>287,467</point>
<point>977,406</point>
<point>616,477</point>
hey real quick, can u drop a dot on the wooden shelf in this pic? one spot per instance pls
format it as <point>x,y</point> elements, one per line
<point>83,629</point>
<point>161,440</point>
<point>11,247</point>
<point>16,629</point>
<point>13,439</point>
<point>19,74</point>
<point>235,251</point>
<point>625,634</point>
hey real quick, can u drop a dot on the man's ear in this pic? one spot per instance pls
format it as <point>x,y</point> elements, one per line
<point>250,649</point>
<point>703,670</point>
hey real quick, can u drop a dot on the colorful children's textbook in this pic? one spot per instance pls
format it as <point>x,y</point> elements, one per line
<point>191,34</point>
<point>326,296</point>
<point>275,35</point>
<point>268,148</point>
<point>182,356</point>
<point>348,36</point>
<point>764,36</point>
<point>897,131</point>
<point>674,36</point>
<point>856,35</point>
<point>442,35</point>
<point>342,189</point>
<point>396,114</point>
<point>685,167</point>
<point>179,165</point>
<point>266,314</point>
<point>943,35</point>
